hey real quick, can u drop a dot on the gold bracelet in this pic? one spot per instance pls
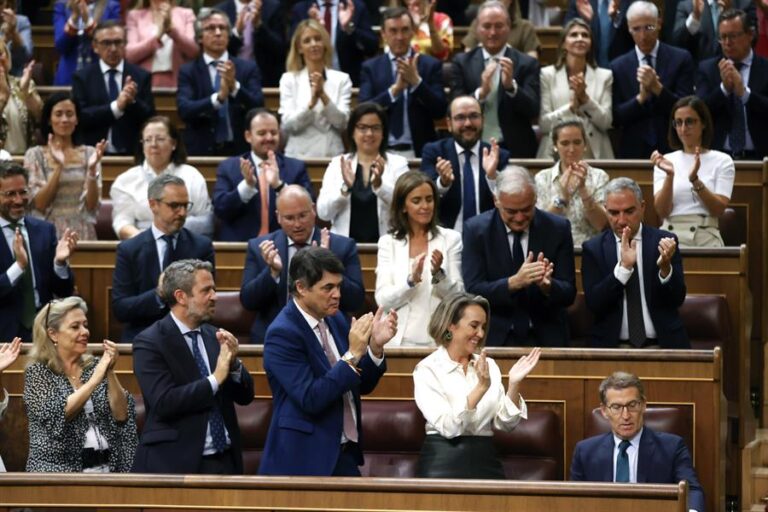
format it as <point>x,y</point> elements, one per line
<point>700,187</point>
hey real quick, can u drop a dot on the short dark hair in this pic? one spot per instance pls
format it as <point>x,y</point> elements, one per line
<point>621,380</point>
<point>180,275</point>
<point>10,168</point>
<point>702,110</point>
<point>308,265</point>
<point>107,24</point>
<point>398,219</point>
<point>45,120</point>
<point>394,13</point>
<point>259,111</point>
<point>732,14</point>
<point>359,111</point>
<point>179,154</point>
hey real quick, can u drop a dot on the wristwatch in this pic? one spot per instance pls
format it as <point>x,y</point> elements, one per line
<point>344,189</point>
<point>559,202</point>
<point>349,358</point>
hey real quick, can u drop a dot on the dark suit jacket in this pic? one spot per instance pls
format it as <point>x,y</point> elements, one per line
<point>261,293</point>
<point>644,127</point>
<point>704,44</point>
<point>450,203</point>
<point>270,47</point>
<point>487,264</point>
<point>134,281</point>
<point>42,245</point>
<point>352,48</point>
<point>96,118</point>
<point>605,294</point>
<point>196,110</point>
<point>621,41</point>
<point>240,221</point>
<point>663,459</point>
<point>515,113</point>
<point>178,400</point>
<point>425,104</point>
<point>307,395</point>
<point>708,88</point>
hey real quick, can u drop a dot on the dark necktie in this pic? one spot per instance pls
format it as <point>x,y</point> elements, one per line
<point>520,316</point>
<point>397,113</point>
<point>222,115</point>
<point>215,419</point>
<point>114,91</point>
<point>605,33</point>
<point>327,19</point>
<point>622,462</point>
<point>350,429</point>
<point>28,309</point>
<point>648,59</point>
<point>170,251</point>
<point>468,187</point>
<point>523,9</point>
<point>737,136</point>
<point>635,322</point>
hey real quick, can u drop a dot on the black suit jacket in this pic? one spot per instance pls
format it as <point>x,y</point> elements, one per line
<point>704,44</point>
<point>137,269</point>
<point>96,118</point>
<point>605,294</point>
<point>515,112</point>
<point>178,400</point>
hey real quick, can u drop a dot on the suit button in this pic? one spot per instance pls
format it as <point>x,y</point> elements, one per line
<point>670,227</point>
<point>693,228</point>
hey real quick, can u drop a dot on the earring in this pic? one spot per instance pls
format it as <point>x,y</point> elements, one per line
<point>448,336</point>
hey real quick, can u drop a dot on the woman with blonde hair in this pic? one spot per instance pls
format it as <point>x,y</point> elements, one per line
<point>20,105</point>
<point>314,99</point>
<point>81,419</point>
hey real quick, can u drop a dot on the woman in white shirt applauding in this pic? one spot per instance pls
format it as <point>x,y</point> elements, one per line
<point>692,186</point>
<point>461,395</point>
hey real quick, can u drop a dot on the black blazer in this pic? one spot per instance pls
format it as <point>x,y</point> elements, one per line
<point>704,44</point>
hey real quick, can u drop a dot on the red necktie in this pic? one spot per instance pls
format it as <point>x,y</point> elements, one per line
<point>327,16</point>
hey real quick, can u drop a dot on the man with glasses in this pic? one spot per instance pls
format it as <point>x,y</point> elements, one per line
<point>696,25</point>
<point>141,259</point>
<point>463,167</point>
<point>647,81</point>
<point>114,97</point>
<point>632,452</point>
<point>35,266</point>
<point>735,88</point>
<point>265,278</point>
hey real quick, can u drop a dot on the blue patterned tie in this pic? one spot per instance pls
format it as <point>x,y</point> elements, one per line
<point>222,120</point>
<point>622,462</point>
<point>216,420</point>
<point>468,186</point>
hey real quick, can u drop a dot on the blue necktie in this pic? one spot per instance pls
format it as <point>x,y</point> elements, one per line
<point>622,462</point>
<point>605,34</point>
<point>218,432</point>
<point>222,120</point>
<point>737,136</point>
<point>468,187</point>
<point>114,91</point>
<point>170,251</point>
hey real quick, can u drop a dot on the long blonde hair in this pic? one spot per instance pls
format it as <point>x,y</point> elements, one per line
<point>295,62</point>
<point>51,317</point>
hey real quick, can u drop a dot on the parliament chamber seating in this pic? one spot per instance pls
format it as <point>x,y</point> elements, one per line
<point>672,420</point>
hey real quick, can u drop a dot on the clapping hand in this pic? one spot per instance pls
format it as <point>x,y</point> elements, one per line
<point>95,159</point>
<point>520,371</point>
<point>347,173</point>
<point>444,171</point>
<point>663,163</point>
<point>9,352</point>
<point>66,246</point>
<point>667,247</point>
<point>437,261</point>
<point>346,14</point>
<point>490,160</point>
<point>110,350</point>
<point>248,172</point>
<point>325,239</point>
<point>507,72</point>
<point>694,174</point>
<point>377,170</point>
<point>628,256</point>
<point>383,329</point>
<point>271,257</point>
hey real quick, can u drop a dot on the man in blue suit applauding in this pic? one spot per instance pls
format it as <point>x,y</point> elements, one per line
<point>318,365</point>
<point>632,452</point>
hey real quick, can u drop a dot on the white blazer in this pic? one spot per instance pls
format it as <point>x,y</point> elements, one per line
<point>336,209</point>
<point>596,115</point>
<point>392,290</point>
<point>316,132</point>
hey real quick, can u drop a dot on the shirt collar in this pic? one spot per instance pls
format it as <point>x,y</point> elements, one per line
<point>105,67</point>
<point>157,234</point>
<point>256,161</point>
<point>312,321</point>
<point>487,55</point>
<point>638,236</point>
<point>151,174</point>
<point>208,59</point>
<point>291,241</point>
<point>5,222</point>
<point>447,364</point>
<point>474,149</point>
<point>184,328</point>
<point>635,441</point>
<point>391,56</point>
<point>654,53</point>
<point>747,61</point>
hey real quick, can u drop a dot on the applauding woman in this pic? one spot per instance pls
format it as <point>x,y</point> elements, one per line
<point>80,417</point>
<point>314,99</point>
<point>434,30</point>
<point>20,105</point>
<point>8,354</point>
<point>692,186</point>
<point>461,395</point>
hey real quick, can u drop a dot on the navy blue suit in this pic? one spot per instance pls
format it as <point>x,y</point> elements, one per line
<point>42,244</point>
<point>270,47</point>
<point>487,265</point>
<point>704,44</point>
<point>644,127</point>
<point>137,269</point>
<point>240,221</point>
<point>662,459</point>
<point>307,395</point>
<point>96,118</point>
<point>425,104</point>
<point>196,110</point>
<point>620,40</point>
<point>450,203</point>
<point>259,291</point>
<point>605,294</point>
<point>178,400</point>
<point>708,89</point>
<point>353,48</point>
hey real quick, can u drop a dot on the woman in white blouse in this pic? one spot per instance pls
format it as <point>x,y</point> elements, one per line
<point>461,395</point>
<point>692,186</point>
<point>575,87</point>
<point>418,262</point>
<point>314,99</point>
<point>162,151</point>
<point>357,187</point>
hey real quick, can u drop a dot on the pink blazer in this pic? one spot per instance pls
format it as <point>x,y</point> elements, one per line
<point>142,42</point>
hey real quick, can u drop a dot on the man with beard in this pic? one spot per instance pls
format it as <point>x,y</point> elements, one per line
<point>141,259</point>
<point>463,166</point>
<point>190,378</point>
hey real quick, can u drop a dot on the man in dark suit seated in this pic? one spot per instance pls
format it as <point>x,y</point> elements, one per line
<point>408,85</point>
<point>696,25</point>
<point>258,31</point>
<point>735,88</point>
<point>647,81</point>
<point>190,378</point>
<point>265,278</point>
<point>608,22</point>
<point>35,266</point>
<point>114,96</point>
<point>318,366</point>
<point>247,185</point>
<point>632,452</point>
<point>520,258</point>
<point>216,90</point>
<point>633,277</point>
<point>349,26</point>
<point>464,167</point>
<point>141,259</point>
<point>504,80</point>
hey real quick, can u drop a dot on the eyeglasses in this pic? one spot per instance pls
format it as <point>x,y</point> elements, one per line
<point>462,118</point>
<point>373,128</point>
<point>10,194</point>
<point>154,140</point>
<point>643,28</point>
<point>177,206</point>
<point>688,121</point>
<point>631,407</point>
<point>730,37</point>
<point>106,43</point>
<point>214,28</point>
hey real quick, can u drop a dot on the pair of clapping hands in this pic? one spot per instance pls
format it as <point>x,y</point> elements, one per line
<point>372,331</point>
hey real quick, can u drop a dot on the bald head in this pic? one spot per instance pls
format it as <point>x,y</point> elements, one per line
<point>296,213</point>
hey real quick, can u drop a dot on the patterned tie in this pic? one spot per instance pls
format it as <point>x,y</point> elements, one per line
<point>215,419</point>
<point>737,136</point>
<point>635,322</point>
<point>468,187</point>
<point>28,309</point>
<point>350,429</point>
<point>223,129</point>
<point>622,462</point>
<point>114,91</point>
<point>264,197</point>
<point>170,251</point>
